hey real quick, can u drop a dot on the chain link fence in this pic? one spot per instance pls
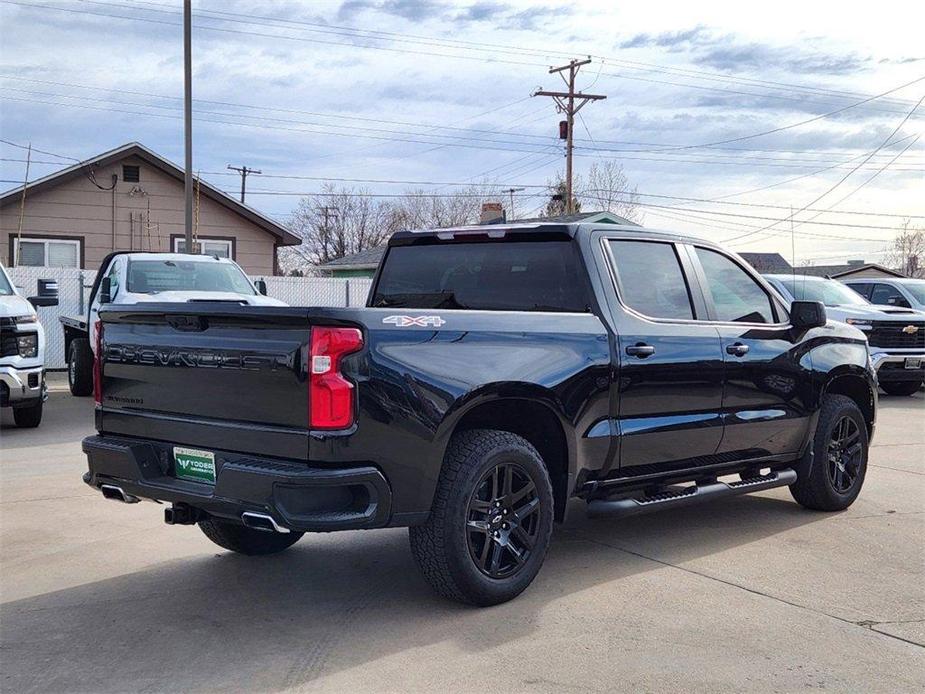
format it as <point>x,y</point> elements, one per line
<point>74,292</point>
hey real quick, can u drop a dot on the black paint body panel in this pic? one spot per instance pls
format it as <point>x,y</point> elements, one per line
<point>234,379</point>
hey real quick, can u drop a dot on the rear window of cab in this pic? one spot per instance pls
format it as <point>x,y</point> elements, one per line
<point>500,276</point>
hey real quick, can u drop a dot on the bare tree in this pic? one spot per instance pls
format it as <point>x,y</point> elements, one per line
<point>558,191</point>
<point>607,189</point>
<point>335,223</point>
<point>419,209</point>
<point>907,252</point>
<point>342,221</point>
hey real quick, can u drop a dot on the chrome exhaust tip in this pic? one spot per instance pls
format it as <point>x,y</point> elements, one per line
<point>262,521</point>
<point>111,491</point>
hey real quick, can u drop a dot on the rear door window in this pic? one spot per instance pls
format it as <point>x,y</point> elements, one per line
<point>493,276</point>
<point>650,279</point>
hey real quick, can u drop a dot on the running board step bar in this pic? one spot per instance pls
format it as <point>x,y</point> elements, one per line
<point>714,489</point>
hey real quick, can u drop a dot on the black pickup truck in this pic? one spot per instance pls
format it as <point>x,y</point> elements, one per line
<point>496,373</point>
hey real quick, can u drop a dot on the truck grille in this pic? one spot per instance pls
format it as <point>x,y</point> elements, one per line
<point>890,334</point>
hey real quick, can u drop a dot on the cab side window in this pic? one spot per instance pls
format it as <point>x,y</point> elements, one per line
<point>114,279</point>
<point>651,280</point>
<point>737,297</point>
<point>887,295</point>
<point>861,288</point>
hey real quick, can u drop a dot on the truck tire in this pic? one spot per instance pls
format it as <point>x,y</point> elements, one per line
<point>243,540</point>
<point>902,387</point>
<point>489,528</point>
<point>28,417</point>
<point>835,475</point>
<point>80,367</point>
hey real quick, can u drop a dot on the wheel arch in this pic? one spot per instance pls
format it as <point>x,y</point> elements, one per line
<point>856,386</point>
<point>534,418</point>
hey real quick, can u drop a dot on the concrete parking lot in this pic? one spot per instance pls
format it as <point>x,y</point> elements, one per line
<point>752,594</point>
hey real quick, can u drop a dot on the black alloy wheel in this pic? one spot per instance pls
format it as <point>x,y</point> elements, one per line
<point>844,454</point>
<point>502,522</point>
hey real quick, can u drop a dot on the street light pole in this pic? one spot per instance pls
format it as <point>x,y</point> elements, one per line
<point>188,120</point>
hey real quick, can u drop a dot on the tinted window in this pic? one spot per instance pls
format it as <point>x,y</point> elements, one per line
<point>154,276</point>
<point>503,276</point>
<point>6,289</point>
<point>651,280</point>
<point>830,292</point>
<point>737,297</point>
<point>862,289</point>
<point>885,294</point>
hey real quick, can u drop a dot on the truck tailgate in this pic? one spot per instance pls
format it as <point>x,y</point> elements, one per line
<point>226,377</point>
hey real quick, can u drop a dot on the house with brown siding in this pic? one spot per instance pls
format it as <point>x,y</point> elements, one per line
<point>130,199</point>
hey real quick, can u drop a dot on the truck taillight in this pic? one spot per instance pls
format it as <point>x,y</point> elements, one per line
<point>98,365</point>
<point>330,395</point>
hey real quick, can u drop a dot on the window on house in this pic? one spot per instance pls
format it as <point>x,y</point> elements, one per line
<point>219,247</point>
<point>130,173</point>
<point>33,252</point>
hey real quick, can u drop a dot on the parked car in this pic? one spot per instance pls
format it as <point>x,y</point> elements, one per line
<point>141,278</point>
<point>494,375</point>
<point>895,335</point>
<point>903,292</point>
<point>22,350</point>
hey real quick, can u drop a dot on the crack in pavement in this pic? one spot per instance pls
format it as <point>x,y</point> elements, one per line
<point>895,469</point>
<point>753,591</point>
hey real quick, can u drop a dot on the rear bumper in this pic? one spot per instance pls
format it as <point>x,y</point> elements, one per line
<point>296,496</point>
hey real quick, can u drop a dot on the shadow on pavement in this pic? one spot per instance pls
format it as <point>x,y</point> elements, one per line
<point>223,621</point>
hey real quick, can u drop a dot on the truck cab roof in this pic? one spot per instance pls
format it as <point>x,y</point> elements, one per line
<point>536,231</point>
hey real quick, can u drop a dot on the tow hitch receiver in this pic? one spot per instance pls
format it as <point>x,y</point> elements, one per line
<point>182,514</point>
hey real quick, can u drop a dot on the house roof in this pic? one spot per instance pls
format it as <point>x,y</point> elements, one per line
<point>364,260</point>
<point>284,236</point>
<point>590,217</point>
<point>767,262</point>
<point>836,271</point>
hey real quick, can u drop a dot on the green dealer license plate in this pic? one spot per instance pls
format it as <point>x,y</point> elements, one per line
<point>194,464</point>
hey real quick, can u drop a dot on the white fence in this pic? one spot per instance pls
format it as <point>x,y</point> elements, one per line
<point>74,292</point>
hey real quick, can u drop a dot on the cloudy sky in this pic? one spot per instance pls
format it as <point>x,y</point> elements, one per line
<point>439,91</point>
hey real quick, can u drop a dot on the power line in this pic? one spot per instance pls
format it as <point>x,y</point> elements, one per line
<point>444,42</point>
<point>465,145</point>
<point>848,195</point>
<point>596,143</point>
<point>843,178</point>
<point>355,45</point>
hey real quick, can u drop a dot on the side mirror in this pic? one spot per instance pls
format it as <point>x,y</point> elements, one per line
<point>807,314</point>
<point>48,294</point>
<point>261,286</point>
<point>106,291</point>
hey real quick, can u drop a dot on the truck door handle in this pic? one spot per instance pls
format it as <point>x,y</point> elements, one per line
<point>641,350</point>
<point>737,350</point>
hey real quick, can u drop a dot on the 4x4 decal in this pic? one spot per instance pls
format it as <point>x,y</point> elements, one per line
<point>415,321</point>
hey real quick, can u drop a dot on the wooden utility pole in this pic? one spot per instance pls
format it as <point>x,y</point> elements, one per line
<point>511,191</point>
<point>569,103</point>
<point>22,209</point>
<point>243,170</point>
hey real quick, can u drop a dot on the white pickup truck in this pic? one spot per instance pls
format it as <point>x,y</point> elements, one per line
<point>22,350</point>
<point>136,278</point>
